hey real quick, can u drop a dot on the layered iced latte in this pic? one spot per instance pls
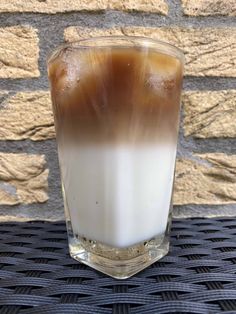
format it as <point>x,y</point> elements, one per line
<point>116,107</point>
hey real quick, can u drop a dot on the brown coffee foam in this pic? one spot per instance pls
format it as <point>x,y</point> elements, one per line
<point>115,94</point>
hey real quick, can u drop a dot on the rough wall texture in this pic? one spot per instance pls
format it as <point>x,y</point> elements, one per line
<point>209,7</point>
<point>26,115</point>
<point>204,29</point>
<point>19,52</point>
<point>23,179</point>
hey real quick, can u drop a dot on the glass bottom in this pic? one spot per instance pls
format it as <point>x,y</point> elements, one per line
<point>119,263</point>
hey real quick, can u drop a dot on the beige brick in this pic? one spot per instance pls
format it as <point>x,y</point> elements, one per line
<point>209,7</point>
<point>52,6</point>
<point>151,6</point>
<point>27,115</point>
<point>19,52</point>
<point>210,179</point>
<point>55,6</point>
<point>23,179</point>
<point>208,51</point>
<point>210,113</point>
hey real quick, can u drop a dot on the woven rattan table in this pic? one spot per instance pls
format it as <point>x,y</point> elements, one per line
<point>198,275</point>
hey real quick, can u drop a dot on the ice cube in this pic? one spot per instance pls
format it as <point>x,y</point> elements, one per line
<point>162,73</point>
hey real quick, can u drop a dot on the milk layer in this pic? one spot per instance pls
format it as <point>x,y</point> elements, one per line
<point>118,195</point>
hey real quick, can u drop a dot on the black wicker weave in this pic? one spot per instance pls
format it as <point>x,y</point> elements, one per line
<point>198,275</point>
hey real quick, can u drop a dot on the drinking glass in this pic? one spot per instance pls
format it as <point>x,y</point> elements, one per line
<point>116,104</point>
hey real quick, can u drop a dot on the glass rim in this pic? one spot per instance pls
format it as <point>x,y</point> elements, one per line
<point>100,42</point>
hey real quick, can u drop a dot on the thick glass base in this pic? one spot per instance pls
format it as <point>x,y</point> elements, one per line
<point>120,263</point>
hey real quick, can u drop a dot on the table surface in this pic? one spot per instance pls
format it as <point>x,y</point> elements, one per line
<point>197,276</point>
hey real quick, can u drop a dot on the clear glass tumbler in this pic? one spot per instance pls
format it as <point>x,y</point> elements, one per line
<point>116,104</point>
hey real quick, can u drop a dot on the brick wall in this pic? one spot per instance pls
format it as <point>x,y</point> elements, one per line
<point>204,29</point>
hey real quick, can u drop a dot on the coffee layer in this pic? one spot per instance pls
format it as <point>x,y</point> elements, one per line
<point>115,94</point>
